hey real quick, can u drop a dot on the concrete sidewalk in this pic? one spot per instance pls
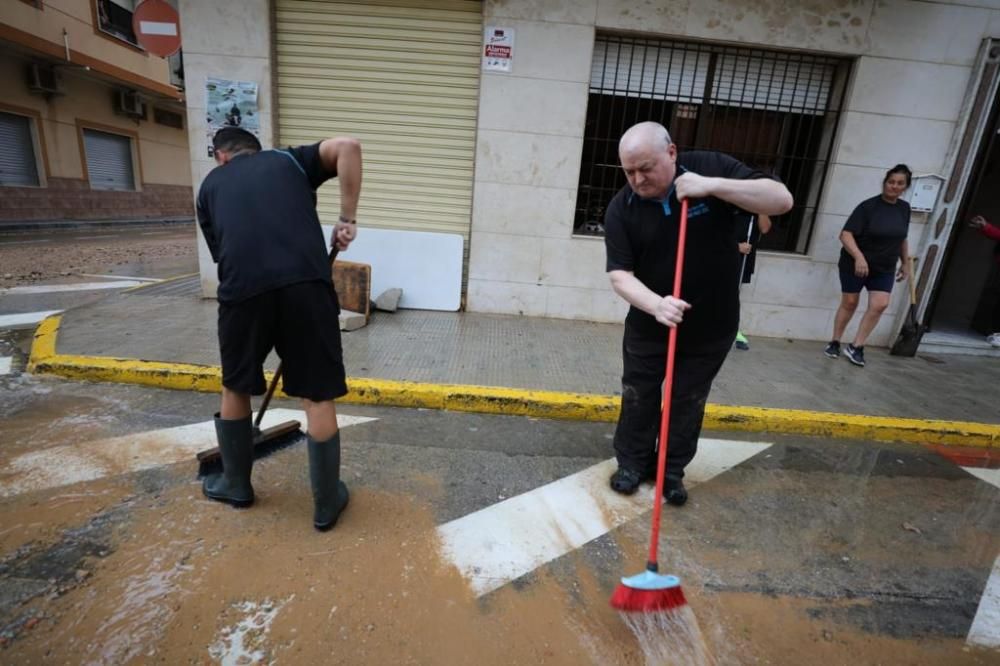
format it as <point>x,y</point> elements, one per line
<point>517,363</point>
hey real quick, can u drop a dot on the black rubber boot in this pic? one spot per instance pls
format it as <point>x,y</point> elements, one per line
<point>232,485</point>
<point>330,495</point>
<point>674,491</point>
<point>625,481</point>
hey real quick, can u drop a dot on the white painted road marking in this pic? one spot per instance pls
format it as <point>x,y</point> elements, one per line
<point>985,631</point>
<point>25,318</point>
<point>79,286</point>
<point>120,277</point>
<point>72,463</point>
<point>505,541</point>
<point>5,363</point>
<point>991,476</point>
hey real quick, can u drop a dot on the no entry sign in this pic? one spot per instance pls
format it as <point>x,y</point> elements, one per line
<point>157,27</point>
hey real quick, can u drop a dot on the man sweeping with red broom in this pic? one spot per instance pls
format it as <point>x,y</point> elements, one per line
<point>651,249</point>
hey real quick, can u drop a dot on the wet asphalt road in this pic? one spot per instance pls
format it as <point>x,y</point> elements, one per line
<point>37,266</point>
<point>141,250</point>
<point>811,551</point>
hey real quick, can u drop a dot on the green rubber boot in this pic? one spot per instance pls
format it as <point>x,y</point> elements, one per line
<point>330,495</point>
<point>232,485</point>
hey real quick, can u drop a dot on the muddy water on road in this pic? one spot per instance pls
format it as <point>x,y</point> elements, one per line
<point>165,576</point>
<point>192,581</point>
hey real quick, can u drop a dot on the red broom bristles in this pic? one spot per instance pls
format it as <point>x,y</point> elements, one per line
<point>629,599</point>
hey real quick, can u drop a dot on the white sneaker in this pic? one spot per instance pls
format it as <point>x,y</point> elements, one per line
<point>994,339</point>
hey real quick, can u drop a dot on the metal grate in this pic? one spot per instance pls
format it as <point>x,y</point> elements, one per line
<point>774,110</point>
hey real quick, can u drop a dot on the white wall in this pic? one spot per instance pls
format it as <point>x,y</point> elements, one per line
<point>914,60</point>
<point>227,40</point>
<point>523,258</point>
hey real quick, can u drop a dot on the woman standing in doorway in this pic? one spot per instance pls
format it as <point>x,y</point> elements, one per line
<point>874,240</point>
<point>992,232</point>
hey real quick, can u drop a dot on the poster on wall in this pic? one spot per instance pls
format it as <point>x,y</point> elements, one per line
<point>230,104</point>
<point>498,49</point>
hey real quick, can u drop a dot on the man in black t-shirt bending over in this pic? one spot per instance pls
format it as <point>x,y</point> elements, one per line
<point>257,210</point>
<point>641,228</point>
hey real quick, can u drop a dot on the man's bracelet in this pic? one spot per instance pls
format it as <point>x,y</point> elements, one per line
<point>347,221</point>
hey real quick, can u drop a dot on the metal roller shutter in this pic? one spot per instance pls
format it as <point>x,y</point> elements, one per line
<point>109,160</point>
<point>17,151</point>
<point>401,76</point>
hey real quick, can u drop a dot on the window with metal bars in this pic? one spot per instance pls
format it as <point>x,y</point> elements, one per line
<point>776,111</point>
<point>114,17</point>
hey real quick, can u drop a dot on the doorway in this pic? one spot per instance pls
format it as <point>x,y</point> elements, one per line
<point>966,305</point>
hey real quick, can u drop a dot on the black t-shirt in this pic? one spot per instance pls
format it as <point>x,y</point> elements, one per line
<point>641,237</point>
<point>879,229</point>
<point>258,214</point>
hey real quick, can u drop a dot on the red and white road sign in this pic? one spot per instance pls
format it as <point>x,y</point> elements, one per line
<point>157,27</point>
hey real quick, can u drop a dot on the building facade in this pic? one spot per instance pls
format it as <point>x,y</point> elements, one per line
<point>92,127</point>
<point>519,156</point>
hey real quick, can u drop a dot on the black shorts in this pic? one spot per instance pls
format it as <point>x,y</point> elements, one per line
<point>874,281</point>
<point>301,323</point>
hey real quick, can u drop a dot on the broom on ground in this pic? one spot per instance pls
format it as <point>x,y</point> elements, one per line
<point>910,335</point>
<point>651,591</point>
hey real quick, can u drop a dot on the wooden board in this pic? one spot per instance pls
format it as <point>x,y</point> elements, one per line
<point>426,266</point>
<point>353,283</point>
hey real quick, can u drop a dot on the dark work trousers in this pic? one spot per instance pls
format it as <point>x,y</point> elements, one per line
<point>639,424</point>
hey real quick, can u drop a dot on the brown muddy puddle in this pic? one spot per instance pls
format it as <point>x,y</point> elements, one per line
<point>189,581</point>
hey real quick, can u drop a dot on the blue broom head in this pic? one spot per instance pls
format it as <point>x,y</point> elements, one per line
<point>649,580</point>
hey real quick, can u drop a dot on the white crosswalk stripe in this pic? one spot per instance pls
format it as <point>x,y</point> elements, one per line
<point>505,541</point>
<point>990,476</point>
<point>985,631</point>
<point>73,463</point>
<point>75,286</point>
<point>23,319</point>
<point>119,277</point>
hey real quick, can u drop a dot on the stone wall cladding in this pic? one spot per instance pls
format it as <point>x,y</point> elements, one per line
<point>72,199</point>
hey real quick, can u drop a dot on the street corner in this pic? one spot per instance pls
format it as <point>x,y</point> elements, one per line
<point>480,537</point>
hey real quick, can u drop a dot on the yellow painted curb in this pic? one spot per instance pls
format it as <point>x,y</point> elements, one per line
<point>486,399</point>
<point>514,402</point>
<point>852,426</point>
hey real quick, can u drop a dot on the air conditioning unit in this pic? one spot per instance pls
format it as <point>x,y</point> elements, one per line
<point>43,80</point>
<point>129,103</point>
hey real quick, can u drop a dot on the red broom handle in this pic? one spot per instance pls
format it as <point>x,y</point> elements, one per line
<point>668,385</point>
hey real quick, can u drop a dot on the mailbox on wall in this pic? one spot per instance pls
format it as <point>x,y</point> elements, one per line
<point>924,192</point>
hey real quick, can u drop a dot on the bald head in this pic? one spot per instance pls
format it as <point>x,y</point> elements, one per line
<point>644,136</point>
<point>649,159</point>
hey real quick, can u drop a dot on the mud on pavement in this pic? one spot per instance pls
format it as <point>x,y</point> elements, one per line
<point>799,555</point>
